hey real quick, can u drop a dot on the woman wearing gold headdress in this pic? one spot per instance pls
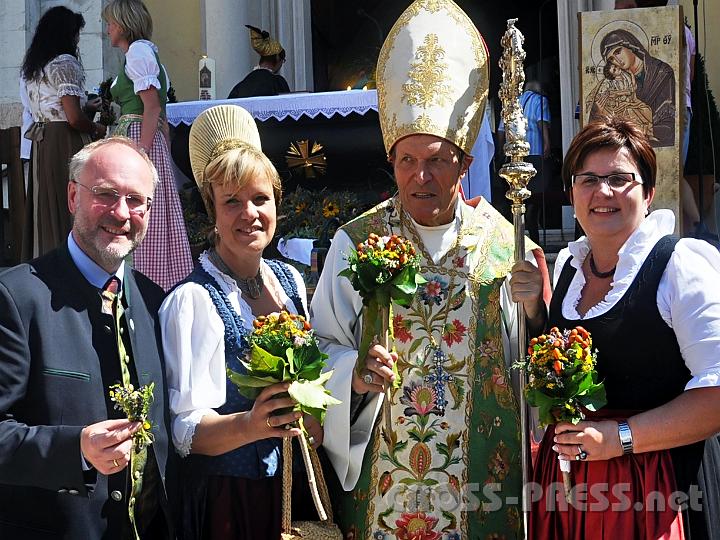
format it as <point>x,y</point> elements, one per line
<point>233,486</point>
<point>263,80</point>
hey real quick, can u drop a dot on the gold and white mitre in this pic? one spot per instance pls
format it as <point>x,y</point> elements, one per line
<point>432,75</point>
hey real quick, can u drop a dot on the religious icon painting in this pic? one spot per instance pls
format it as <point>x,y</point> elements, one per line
<point>632,66</point>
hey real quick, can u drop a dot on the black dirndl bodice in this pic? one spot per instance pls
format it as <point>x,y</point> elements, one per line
<point>639,360</point>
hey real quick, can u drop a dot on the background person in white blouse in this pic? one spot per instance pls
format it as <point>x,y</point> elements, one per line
<point>233,476</point>
<point>54,80</point>
<point>141,91</point>
<point>652,306</point>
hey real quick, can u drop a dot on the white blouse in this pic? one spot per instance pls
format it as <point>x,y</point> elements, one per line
<point>142,67</point>
<point>62,76</point>
<point>688,296</point>
<point>194,345</point>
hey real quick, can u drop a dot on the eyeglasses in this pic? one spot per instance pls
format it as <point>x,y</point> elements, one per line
<point>137,204</point>
<point>615,181</point>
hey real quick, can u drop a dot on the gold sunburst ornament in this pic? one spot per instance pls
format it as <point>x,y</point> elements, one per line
<point>306,157</point>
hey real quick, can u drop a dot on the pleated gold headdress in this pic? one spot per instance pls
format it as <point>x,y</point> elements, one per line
<point>432,75</point>
<point>262,43</point>
<point>216,131</point>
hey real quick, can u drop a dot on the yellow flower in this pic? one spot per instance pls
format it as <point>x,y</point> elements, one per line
<point>330,209</point>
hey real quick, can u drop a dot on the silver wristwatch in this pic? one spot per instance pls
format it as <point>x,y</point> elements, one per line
<point>626,440</point>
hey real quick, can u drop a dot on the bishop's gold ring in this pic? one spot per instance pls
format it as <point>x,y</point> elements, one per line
<point>267,421</point>
<point>116,463</point>
<point>368,378</point>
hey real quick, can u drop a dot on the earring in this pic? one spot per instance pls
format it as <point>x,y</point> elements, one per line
<point>217,233</point>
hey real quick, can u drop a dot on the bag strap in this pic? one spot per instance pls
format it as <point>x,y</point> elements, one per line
<point>323,507</point>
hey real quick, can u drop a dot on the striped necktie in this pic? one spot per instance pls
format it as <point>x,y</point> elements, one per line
<point>111,305</point>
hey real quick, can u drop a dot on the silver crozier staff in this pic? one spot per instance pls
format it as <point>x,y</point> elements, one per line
<point>518,173</point>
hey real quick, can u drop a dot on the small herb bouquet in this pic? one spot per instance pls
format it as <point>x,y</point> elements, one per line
<point>563,380</point>
<point>283,348</point>
<point>136,406</point>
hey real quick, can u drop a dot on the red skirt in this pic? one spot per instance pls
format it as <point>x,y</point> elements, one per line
<point>628,497</point>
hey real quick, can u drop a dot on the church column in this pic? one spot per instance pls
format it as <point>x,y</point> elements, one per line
<point>289,22</point>
<point>226,40</point>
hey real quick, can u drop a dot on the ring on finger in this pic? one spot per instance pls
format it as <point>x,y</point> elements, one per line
<point>581,455</point>
<point>116,463</point>
<point>368,378</point>
<point>267,421</point>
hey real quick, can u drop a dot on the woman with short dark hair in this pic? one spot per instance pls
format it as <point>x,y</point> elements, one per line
<point>652,306</point>
<point>55,80</point>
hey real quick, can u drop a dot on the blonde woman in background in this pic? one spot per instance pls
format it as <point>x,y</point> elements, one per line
<point>141,91</point>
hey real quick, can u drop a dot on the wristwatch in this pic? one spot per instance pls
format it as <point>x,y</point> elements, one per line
<point>626,440</point>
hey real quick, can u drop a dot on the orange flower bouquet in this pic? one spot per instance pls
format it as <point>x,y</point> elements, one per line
<point>563,380</point>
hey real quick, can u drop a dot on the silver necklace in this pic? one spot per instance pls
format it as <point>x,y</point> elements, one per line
<point>251,287</point>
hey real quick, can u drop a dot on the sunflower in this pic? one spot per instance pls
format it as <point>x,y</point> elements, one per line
<point>330,209</point>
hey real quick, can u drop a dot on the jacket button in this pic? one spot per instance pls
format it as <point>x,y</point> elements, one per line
<point>116,495</point>
<point>107,329</point>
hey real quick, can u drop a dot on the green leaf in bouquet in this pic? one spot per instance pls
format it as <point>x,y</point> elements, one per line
<point>594,398</point>
<point>264,364</point>
<point>315,412</point>
<point>250,386</point>
<point>312,393</point>
<point>367,274</point>
<point>290,355</point>
<point>309,359</point>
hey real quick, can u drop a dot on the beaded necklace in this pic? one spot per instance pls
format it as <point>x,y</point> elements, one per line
<point>251,287</point>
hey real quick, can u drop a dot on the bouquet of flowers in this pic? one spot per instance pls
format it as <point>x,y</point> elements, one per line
<point>283,348</point>
<point>136,406</point>
<point>563,380</point>
<point>383,269</point>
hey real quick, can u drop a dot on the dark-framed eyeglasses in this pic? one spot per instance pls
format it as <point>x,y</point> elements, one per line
<point>137,204</point>
<point>615,181</point>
